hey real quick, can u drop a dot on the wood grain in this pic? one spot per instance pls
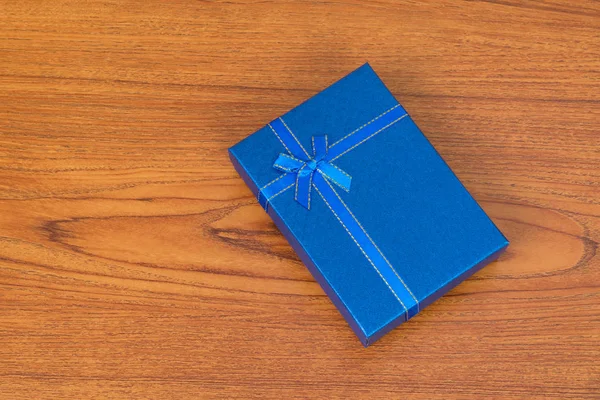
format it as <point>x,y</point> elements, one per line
<point>134,263</point>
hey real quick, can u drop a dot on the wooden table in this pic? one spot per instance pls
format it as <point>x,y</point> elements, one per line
<point>134,263</point>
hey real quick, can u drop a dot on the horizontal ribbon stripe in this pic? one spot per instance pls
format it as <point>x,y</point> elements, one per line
<point>305,172</point>
<point>365,133</point>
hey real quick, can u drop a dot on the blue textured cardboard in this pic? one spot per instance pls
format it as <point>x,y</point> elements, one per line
<point>405,196</point>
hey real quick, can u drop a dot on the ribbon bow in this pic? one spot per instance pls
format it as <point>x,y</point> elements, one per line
<point>305,169</point>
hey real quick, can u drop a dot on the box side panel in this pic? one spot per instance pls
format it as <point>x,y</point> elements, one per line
<point>237,164</point>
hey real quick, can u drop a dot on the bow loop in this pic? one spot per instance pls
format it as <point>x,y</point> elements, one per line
<point>335,175</point>
<point>287,163</point>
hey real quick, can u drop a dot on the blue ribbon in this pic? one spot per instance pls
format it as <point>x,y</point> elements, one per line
<point>306,172</point>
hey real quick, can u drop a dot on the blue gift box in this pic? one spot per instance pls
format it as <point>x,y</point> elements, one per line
<point>367,203</point>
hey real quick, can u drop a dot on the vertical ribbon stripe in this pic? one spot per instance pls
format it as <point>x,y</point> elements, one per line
<point>367,246</point>
<point>317,171</point>
<point>288,139</point>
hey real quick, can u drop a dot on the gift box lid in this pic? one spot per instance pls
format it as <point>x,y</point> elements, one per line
<point>367,203</point>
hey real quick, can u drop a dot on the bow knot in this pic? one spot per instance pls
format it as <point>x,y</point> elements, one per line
<point>305,168</point>
<point>312,165</point>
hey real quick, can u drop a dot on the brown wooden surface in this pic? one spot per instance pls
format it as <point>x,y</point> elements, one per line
<point>134,263</point>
